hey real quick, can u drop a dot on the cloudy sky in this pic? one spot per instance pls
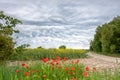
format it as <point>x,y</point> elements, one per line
<point>51,23</point>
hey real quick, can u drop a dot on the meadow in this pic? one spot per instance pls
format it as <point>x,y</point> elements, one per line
<point>53,64</point>
<point>56,69</point>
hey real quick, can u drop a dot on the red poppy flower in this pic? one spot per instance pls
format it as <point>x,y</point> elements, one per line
<point>70,72</point>
<point>72,62</point>
<point>77,61</point>
<point>58,67</point>
<point>37,70</point>
<point>32,71</point>
<point>58,58</point>
<point>17,71</point>
<point>45,60</point>
<point>94,68</point>
<point>66,69</point>
<point>54,62</point>
<point>44,76</point>
<point>72,68</point>
<point>65,58</point>
<point>85,74</point>
<point>73,78</point>
<point>23,64</point>
<point>26,67</point>
<point>26,73</point>
<point>87,68</point>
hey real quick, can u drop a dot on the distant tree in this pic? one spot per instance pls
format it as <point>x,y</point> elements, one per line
<point>7,28</point>
<point>62,47</point>
<point>40,47</point>
<point>20,49</point>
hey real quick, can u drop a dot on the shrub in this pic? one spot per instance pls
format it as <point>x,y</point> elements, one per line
<point>62,47</point>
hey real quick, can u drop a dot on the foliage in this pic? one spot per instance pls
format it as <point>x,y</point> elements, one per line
<point>56,69</point>
<point>6,47</point>
<point>7,25</point>
<point>40,47</point>
<point>107,37</point>
<point>20,49</point>
<point>38,54</point>
<point>62,47</point>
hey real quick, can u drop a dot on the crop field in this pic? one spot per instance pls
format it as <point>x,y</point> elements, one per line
<point>38,54</point>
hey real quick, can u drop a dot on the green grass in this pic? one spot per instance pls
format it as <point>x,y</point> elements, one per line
<point>109,54</point>
<point>46,71</point>
<point>38,54</point>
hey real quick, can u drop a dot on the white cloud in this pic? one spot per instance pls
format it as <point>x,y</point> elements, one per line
<point>50,23</point>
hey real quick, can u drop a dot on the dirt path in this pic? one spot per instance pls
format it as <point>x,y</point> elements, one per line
<point>94,60</point>
<point>101,61</point>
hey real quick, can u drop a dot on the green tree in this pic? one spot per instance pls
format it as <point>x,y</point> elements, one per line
<point>107,37</point>
<point>7,28</point>
<point>20,49</point>
<point>62,47</point>
<point>96,43</point>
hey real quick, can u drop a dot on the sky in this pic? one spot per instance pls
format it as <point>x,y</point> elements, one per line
<point>51,23</point>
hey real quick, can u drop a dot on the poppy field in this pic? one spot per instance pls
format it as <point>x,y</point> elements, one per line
<point>55,69</point>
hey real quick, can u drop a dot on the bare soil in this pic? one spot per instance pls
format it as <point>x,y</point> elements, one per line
<point>101,62</point>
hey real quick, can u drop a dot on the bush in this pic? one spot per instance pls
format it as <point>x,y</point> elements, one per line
<point>62,47</point>
<point>7,28</point>
<point>6,47</point>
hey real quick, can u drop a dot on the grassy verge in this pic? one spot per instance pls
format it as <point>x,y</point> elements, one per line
<point>56,69</point>
<point>38,54</point>
<point>110,54</point>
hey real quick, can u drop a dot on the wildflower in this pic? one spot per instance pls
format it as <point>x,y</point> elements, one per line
<point>73,78</point>
<point>77,61</point>
<point>54,62</point>
<point>70,72</point>
<point>66,69</point>
<point>32,71</point>
<point>73,69</point>
<point>17,71</point>
<point>23,64</point>
<point>94,68</point>
<point>58,67</point>
<point>58,58</point>
<point>44,76</point>
<point>45,60</point>
<point>72,62</point>
<point>63,62</point>
<point>87,68</point>
<point>37,70</point>
<point>26,73</point>
<point>26,67</point>
<point>85,74</point>
<point>65,58</point>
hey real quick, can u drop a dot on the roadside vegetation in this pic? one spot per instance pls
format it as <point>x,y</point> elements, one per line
<point>107,38</point>
<point>56,69</point>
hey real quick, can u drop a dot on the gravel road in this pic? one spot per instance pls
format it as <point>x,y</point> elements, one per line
<point>101,61</point>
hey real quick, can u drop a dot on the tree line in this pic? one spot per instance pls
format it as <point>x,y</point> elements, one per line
<point>107,37</point>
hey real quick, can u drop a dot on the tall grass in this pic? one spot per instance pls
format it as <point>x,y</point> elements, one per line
<point>38,54</point>
<point>61,70</point>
